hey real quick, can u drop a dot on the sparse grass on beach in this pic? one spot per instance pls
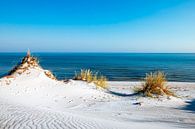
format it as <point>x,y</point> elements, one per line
<point>101,82</point>
<point>91,77</point>
<point>27,62</point>
<point>84,75</point>
<point>155,85</point>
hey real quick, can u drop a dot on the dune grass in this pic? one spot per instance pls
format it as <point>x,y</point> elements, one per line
<point>155,85</point>
<point>91,77</point>
<point>27,62</point>
<point>101,82</point>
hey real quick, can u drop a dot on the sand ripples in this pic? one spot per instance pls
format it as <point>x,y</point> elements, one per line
<point>19,117</point>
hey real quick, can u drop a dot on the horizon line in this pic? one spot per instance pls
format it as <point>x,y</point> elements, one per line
<point>103,52</point>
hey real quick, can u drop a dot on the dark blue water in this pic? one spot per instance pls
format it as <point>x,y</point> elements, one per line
<point>116,66</point>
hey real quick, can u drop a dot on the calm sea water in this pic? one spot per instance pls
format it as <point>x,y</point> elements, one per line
<point>116,66</point>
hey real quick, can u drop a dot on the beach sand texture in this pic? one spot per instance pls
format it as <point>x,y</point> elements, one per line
<point>33,100</point>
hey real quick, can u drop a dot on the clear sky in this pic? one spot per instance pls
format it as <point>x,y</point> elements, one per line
<point>97,25</point>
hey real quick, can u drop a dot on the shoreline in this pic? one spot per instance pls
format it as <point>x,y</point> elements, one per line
<point>125,67</point>
<point>140,82</point>
<point>31,97</point>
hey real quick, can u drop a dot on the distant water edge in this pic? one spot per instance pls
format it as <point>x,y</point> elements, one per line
<point>116,66</point>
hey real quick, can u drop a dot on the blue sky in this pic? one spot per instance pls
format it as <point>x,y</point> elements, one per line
<point>97,25</point>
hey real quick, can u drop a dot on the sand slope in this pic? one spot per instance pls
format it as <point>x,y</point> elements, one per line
<point>32,100</point>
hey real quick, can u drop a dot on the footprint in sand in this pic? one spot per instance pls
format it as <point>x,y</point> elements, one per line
<point>70,101</point>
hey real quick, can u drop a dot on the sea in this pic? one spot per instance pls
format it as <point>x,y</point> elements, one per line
<point>178,67</point>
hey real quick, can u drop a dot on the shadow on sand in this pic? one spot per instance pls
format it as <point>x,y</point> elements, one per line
<point>190,106</point>
<point>122,94</point>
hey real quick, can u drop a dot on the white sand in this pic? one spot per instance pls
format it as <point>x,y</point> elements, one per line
<point>34,101</point>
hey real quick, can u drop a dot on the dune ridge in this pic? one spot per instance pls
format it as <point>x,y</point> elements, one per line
<point>31,98</point>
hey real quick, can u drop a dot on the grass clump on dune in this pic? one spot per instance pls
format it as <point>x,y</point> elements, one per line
<point>84,75</point>
<point>155,85</point>
<point>27,62</point>
<point>101,82</point>
<point>91,77</point>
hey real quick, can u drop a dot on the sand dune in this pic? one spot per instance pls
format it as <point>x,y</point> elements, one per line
<point>33,100</point>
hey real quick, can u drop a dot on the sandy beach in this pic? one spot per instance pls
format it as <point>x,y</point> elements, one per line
<point>97,64</point>
<point>32,100</point>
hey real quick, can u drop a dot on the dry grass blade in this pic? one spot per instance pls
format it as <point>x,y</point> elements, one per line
<point>101,82</point>
<point>155,85</point>
<point>88,76</point>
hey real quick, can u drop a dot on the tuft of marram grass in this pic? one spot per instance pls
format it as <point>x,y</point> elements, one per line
<point>84,75</point>
<point>101,82</point>
<point>27,62</point>
<point>155,85</point>
<point>90,77</point>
